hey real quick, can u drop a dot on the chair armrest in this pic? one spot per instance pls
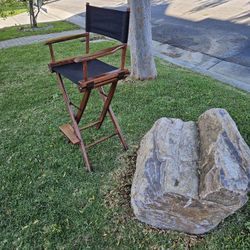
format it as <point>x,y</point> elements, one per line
<point>99,53</point>
<point>61,62</point>
<point>65,38</point>
<point>103,79</point>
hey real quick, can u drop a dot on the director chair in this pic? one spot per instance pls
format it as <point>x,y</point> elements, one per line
<point>89,73</point>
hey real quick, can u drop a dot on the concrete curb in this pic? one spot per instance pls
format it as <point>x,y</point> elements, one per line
<point>227,72</point>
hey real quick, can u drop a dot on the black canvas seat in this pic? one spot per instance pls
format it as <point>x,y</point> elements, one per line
<point>73,71</point>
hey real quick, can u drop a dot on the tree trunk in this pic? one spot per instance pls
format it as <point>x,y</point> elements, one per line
<point>142,60</point>
<point>33,22</point>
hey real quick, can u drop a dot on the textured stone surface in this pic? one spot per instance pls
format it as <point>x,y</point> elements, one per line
<point>225,159</point>
<point>188,180</point>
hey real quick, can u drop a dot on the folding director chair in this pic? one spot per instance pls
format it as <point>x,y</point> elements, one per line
<point>89,73</point>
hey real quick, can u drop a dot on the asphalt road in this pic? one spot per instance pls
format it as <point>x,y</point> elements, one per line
<point>224,39</point>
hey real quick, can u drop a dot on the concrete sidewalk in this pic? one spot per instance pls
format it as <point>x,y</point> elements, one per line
<point>36,39</point>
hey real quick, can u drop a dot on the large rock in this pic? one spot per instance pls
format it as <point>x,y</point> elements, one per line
<point>190,177</point>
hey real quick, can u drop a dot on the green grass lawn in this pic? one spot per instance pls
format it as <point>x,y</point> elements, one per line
<point>12,9</point>
<point>48,201</point>
<point>43,28</point>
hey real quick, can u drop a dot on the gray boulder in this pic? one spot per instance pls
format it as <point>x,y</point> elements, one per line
<point>190,177</point>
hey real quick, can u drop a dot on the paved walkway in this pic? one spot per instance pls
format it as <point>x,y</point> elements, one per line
<point>35,39</point>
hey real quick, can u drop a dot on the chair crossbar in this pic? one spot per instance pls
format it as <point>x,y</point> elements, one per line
<point>90,125</point>
<point>100,140</point>
<point>72,104</point>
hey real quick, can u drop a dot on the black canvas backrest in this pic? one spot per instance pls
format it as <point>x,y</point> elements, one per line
<point>108,22</point>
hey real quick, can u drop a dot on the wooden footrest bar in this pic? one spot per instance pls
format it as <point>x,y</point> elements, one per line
<point>100,140</point>
<point>69,132</point>
<point>90,125</point>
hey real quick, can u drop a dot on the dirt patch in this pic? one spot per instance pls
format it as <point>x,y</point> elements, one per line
<point>119,195</point>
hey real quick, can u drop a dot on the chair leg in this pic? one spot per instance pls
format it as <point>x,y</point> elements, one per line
<point>107,102</point>
<point>74,123</point>
<point>113,118</point>
<point>83,105</point>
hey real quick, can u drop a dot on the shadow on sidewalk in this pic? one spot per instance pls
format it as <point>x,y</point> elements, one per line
<point>225,40</point>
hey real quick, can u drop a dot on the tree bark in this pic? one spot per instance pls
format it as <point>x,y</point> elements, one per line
<point>142,60</point>
<point>33,21</point>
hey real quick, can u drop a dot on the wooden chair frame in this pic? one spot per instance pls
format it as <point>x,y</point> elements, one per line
<point>85,86</point>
